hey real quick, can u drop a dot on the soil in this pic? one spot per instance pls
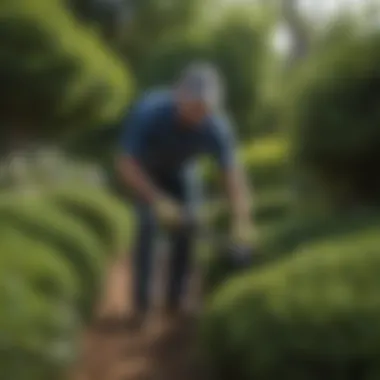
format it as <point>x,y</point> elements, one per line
<point>163,351</point>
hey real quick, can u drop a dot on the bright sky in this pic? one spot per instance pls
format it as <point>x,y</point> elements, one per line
<point>326,8</point>
<point>318,11</point>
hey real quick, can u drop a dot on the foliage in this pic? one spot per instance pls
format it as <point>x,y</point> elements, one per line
<point>311,309</point>
<point>152,22</point>
<point>57,75</point>
<point>102,212</point>
<point>75,242</point>
<point>283,239</point>
<point>316,313</point>
<point>39,325</point>
<point>56,246</point>
<point>166,60</point>
<point>334,117</point>
<point>239,47</point>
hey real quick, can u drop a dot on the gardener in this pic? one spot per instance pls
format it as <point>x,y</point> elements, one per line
<point>166,131</point>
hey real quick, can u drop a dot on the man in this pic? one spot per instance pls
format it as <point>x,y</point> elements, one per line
<point>166,131</point>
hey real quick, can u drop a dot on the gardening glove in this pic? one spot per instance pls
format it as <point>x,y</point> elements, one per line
<point>169,212</point>
<point>243,234</point>
<point>242,245</point>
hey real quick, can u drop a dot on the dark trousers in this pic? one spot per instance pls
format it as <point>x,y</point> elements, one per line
<point>184,187</point>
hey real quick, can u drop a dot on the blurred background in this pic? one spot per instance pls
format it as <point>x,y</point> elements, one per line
<point>303,81</point>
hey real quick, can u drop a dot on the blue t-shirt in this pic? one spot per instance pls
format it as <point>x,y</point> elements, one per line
<point>153,135</point>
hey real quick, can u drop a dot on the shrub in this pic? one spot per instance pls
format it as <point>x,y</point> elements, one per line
<point>43,267</point>
<point>38,324</point>
<point>72,239</point>
<point>334,118</point>
<point>58,71</point>
<point>312,316</point>
<point>270,206</point>
<point>165,62</point>
<point>265,161</point>
<point>108,218</point>
<point>239,47</point>
<point>287,236</point>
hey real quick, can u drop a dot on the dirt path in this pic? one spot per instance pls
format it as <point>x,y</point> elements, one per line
<point>119,354</point>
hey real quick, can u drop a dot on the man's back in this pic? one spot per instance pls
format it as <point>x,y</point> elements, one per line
<point>155,136</point>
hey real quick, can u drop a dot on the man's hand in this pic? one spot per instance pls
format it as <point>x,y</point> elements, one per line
<point>243,233</point>
<point>169,212</point>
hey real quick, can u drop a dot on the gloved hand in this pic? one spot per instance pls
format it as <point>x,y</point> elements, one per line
<point>169,212</point>
<point>243,242</point>
<point>243,234</point>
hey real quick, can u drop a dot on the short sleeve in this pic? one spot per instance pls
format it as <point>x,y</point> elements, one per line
<point>223,142</point>
<point>134,132</point>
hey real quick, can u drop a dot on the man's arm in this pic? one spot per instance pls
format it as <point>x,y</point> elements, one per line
<point>136,132</point>
<point>234,178</point>
<point>127,162</point>
<point>237,191</point>
<point>135,178</point>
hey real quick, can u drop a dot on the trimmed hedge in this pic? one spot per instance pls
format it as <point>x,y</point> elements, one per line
<point>265,161</point>
<point>55,246</point>
<point>39,324</point>
<point>74,241</point>
<point>270,206</point>
<point>315,315</point>
<point>286,237</point>
<point>84,228</point>
<point>107,217</point>
<point>58,71</point>
<point>334,119</point>
<point>39,263</point>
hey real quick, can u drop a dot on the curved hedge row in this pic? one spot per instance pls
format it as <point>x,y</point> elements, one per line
<point>334,119</point>
<point>314,315</point>
<point>52,265</point>
<point>62,72</point>
<point>74,241</point>
<point>39,322</point>
<point>100,211</point>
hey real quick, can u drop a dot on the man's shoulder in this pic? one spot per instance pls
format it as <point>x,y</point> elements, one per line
<point>156,99</point>
<point>219,123</point>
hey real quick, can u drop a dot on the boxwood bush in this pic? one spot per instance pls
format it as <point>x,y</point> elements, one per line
<point>314,315</point>
<point>72,239</point>
<point>55,246</point>
<point>39,323</point>
<point>334,119</point>
<point>109,218</point>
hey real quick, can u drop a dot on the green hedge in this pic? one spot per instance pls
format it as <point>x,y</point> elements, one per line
<point>84,229</point>
<point>39,263</point>
<point>265,161</point>
<point>285,237</point>
<point>39,324</point>
<point>266,207</point>
<point>74,241</point>
<point>312,316</point>
<point>58,71</point>
<point>107,217</point>
<point>334,118</point>
<point>55,246</point>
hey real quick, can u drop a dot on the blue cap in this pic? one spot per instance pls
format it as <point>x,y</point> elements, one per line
<point>202,81</point>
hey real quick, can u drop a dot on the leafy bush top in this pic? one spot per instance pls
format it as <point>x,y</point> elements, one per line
<point>316,313</point>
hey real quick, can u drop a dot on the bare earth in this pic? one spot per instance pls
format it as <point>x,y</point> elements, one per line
<point>161,353</point>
